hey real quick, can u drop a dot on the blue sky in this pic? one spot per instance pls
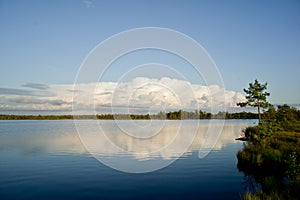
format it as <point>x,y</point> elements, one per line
<point>46,41</point>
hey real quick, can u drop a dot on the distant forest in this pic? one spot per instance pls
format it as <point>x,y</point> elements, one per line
<point>176,115</point>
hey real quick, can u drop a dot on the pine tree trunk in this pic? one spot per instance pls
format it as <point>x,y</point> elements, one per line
<point>258,110</point>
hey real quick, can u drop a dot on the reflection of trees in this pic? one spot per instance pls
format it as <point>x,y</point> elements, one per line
<point>269,178</point>
<point>249,183</point>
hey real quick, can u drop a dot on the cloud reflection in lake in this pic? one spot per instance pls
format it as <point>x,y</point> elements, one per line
<point>53,139</point>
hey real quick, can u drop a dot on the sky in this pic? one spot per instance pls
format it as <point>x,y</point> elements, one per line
<point>44,43</point>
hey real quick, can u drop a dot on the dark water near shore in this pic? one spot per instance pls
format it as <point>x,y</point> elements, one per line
<point>46,160</point>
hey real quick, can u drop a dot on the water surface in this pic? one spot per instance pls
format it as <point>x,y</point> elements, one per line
<point>46,159</point>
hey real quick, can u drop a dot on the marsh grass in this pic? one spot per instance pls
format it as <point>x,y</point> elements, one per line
<point>271,156</point>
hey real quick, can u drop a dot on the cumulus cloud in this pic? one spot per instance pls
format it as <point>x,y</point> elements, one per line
<point>141,94</point>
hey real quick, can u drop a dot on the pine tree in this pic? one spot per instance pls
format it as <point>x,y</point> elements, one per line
<point>256,97</point>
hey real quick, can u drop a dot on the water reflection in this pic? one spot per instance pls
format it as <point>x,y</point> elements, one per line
<point>30,144</point>
<point>61,137</point>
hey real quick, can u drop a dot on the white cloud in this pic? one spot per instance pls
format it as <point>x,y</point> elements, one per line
<point>140,94</point>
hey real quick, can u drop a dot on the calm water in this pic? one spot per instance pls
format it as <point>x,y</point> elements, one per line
<point>46,160</point>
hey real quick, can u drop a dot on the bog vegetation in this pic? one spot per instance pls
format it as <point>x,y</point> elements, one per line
<point>271,156</point>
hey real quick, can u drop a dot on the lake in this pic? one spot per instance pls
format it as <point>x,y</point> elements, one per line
<point>187,159</point>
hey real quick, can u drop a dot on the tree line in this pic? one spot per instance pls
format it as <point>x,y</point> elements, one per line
<point>172,115</point>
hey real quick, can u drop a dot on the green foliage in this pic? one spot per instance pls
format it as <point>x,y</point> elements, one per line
<point>251,133</point>
<point>263,196</point>
<point>256,96</point>
<point>285,118</point>
<point>292,165</point>
<point>241,115</point>
<point>272,154</point>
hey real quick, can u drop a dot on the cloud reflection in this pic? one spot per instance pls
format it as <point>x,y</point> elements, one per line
<point>50,142</point>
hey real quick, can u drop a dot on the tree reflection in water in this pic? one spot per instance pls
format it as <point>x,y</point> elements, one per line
<point>266,178</point>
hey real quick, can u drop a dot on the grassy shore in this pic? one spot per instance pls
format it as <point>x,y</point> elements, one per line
<point>271,155</point>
